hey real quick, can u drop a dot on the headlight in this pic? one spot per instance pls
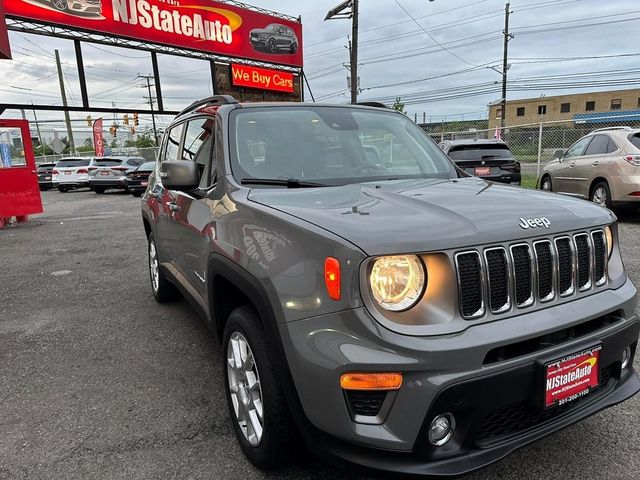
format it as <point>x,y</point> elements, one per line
<point>608,235</point>
<point>397,282</point>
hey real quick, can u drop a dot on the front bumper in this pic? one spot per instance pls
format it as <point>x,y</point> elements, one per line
<point>450,373</point>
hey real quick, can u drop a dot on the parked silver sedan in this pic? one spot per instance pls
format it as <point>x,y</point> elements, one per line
<point>111,172</point>
<point>603,167</point>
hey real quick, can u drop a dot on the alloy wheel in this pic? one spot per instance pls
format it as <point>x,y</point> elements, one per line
<point>60,4</point>
<point>154,268</point>
<point>599,196</point>
<point>245,388</point>
<point>546,185</point>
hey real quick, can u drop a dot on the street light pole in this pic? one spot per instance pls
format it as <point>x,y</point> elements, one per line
<point>505,66</point>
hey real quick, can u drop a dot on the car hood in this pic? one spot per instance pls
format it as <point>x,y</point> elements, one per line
<point>426,215</point>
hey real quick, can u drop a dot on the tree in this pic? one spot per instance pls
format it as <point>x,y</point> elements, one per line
<point>398,105</point>
<point>145,141</point>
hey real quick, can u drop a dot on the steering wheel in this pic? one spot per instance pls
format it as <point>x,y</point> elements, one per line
<point>368,168</point>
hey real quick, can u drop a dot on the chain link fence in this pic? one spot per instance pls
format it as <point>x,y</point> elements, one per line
<point>536,144</point>
<point>149,154</point>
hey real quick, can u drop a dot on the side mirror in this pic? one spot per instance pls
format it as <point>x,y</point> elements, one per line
<point>179,174</point>
<point>558,154</point>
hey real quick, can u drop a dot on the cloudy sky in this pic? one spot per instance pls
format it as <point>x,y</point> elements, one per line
<point>435,55</point>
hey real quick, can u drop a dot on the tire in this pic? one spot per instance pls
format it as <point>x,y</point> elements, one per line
<point>99,190</point>
<point>273,46</point>
<point>62,5</point>
<point>600,194</point>
<point>545,184</point>
<point>63,189</point>
<point>293,48</point>
<point>137,194</point>
<point>163,290</point>
<point>273,447</point>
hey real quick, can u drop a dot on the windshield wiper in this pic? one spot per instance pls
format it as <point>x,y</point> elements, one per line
<point>289,183</point>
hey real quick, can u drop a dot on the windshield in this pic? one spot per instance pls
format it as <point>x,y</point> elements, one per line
<point>332,146</point>
<point>478,152</point>
<point>148,166</point>
<point>73,162</point>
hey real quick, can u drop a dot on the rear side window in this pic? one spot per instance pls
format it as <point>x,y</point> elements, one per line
<point>73,162</point>
<point>135,162</point>
<point>599,145</point>
<point>635,140</point>
<point>479,152</point>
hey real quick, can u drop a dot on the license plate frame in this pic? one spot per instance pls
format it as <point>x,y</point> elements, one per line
<point>571,377</point>
<point>144,184</point>
<point>482,171</point>
<point>105,173</point>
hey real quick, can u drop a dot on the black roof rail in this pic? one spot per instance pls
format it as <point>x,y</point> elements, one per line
<point>215,100</point>
<point>372,104</point>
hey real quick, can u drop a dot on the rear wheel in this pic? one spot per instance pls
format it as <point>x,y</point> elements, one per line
<point>273,46</point>
<point>601,195</point>
<point>545,184</point>
<point>257,406</point>
<point>63,189</point>
<point>163,289</point>
<point>99,189</point>
<point>137,194</point>
<point>293,48</point>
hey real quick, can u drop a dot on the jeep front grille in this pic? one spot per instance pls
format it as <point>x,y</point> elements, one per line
<point>526,273</point>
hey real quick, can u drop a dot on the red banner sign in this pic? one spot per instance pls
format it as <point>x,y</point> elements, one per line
<point>202,25</point>
<point>98,138</point>
<point>5,50</point>
<point>263,78</point>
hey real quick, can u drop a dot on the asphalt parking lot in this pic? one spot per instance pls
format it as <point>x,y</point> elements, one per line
<point>98,381</point>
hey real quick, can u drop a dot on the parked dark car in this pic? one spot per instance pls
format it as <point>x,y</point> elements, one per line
<point>274,38</point>
<point>138,179</point>
<point>45,175</point>
<point>488,159</point>
<point>377,302</point>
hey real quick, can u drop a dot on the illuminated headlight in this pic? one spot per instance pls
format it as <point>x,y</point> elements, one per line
<point>608,234</point>
<point>397,282</point>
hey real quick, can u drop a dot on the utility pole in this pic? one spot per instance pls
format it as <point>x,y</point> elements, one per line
<point>354,52</point>
<point>151,103</point>
<point>67,120</point>
<point>35,118</point>
<point>505,65</point>
<point>349,9</point>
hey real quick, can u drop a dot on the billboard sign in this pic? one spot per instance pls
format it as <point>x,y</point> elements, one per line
<point>202,25</point>
<point>262,78</point>
<point>5,51</point>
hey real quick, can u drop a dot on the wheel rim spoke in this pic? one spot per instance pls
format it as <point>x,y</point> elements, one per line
<point>245,388</point>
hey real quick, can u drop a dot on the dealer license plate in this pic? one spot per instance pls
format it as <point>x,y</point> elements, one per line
<point>483,171</point>
<point>104,173</point>
<point>67,173</point>
<point>144,184</point>
<point>572,377</point>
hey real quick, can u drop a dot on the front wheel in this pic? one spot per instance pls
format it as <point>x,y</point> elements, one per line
<point>137,194</point>
<point>257,406</point>
<point>546,184</point>
<point>293,48</point>
<point>273,46</point>
<point>63,189</point>
<point>61,5</point>
<point>601,195</point>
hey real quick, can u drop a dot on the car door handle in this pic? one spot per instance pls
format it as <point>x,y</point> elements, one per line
<point>595,163</point>
<point>572,164</point>
<point>174,207</point>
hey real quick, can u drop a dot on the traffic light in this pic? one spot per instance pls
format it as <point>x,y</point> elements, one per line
<point>113,130</point>
<point>125,119</point>
<point>136,122</point>
<point>133,130</point>
<point>89,121</point>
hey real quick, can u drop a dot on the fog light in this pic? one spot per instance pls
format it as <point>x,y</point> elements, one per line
<point>626,357</point>
<point>441,430</point>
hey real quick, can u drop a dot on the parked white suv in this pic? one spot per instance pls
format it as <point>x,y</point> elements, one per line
<point>72,172</point>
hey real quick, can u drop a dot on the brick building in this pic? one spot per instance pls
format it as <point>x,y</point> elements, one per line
<point>574,108</point>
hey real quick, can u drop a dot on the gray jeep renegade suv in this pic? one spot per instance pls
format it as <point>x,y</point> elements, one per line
<point>376,302</point>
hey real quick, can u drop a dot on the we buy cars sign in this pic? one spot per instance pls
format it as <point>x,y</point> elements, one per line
<point>263,78</point>
<point>202,25</point>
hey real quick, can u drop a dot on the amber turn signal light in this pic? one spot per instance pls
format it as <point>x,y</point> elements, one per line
<point>332,277</point>
<point>371,381</point>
